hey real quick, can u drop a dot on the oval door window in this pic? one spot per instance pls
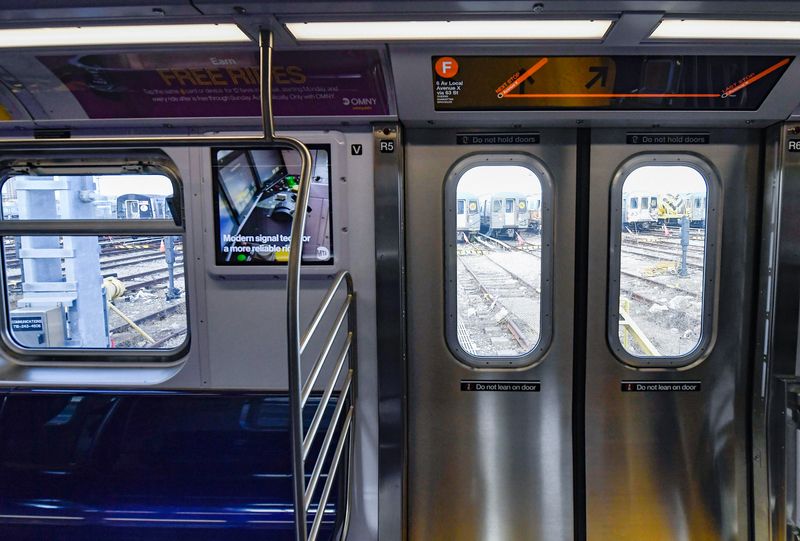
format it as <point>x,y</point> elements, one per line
<point>662,266</point>
<point>498,261</point>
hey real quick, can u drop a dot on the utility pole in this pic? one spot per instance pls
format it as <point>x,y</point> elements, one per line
<point>684,271</point>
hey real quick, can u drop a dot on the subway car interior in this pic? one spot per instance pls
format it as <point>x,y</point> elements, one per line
<point>400,270</point>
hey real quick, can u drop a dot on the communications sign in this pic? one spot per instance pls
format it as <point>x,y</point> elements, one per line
<point>26,324</point>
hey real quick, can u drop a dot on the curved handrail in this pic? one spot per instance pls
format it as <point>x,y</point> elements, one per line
<point>297,342</point>
<point>292,283</point>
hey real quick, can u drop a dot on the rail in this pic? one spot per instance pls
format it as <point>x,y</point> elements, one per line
<point>299,390</point>
<point>342,418</point>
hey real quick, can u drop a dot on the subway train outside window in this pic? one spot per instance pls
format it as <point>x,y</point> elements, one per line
<point>662,275</point>
<point>93,261</point>
<point>498,260</point>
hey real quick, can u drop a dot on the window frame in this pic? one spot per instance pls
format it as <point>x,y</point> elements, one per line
<point>711,271</point>
<point>547,220</point>
<point>84,162</point>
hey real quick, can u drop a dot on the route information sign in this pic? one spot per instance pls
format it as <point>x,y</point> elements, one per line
<point>485,83</point>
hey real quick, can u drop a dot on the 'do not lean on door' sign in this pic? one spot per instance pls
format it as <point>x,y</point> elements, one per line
<point>656,386</point>
<point>518,386</point>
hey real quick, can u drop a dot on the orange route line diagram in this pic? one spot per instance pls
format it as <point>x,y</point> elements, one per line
<point>755,78</point>
<point>505,93</point>
<point>533,69</point>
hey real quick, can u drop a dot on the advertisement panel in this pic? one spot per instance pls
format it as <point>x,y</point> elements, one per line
<point>189,84</point>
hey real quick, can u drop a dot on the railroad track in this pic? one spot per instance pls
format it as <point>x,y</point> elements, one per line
<point>152,316</point>
<point>497,291</point>
<point>673,288</point>
<point>691,260</point>
<point>673,229</point>
<point>115,262</point>
<point>107,248</point>
<point>158,314</point>
<point>694,245</point>
<point>536,252</point>
<point>161,341</point>
<point>134,259</point>
<point>629,292</point>
<point>159,276</point>
<point>512,246</point>
<point>13,277</point>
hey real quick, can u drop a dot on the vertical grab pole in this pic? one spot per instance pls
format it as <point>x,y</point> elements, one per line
<point>292,286</point>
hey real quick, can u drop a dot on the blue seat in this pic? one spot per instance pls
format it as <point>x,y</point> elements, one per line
<point>148,465</point>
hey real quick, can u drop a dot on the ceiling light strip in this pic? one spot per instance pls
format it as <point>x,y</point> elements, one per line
<point>450,30</point>
<point>76,36</point>
<point>720,29</point>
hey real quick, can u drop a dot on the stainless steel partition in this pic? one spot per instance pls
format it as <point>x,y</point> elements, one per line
<point>485,465</point>
<point>391,331</point>
<point>775,371</point>
<point>673,466</point>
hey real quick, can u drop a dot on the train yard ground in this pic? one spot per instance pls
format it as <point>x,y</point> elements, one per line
<point>499,292</point>
<point>139,264</point>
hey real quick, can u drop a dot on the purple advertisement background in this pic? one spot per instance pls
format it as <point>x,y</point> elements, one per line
<point>225,84</point>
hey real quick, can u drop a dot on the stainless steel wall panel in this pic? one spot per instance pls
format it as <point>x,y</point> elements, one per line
<point>674,466</point>
<point>391,332</point>
<point>482,465</point>
<point>774,472</point>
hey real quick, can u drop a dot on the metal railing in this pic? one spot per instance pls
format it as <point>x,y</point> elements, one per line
<point>300,391</point>
<point>344,409</point>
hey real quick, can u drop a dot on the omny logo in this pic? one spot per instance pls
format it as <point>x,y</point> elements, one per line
<point>356,102</point>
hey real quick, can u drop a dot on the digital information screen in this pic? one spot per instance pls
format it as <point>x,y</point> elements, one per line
<point>255,195</point>
<point>519,83</point>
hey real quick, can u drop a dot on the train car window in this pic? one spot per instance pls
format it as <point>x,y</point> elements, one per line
<point>77,284</point>
<point>95,197</point>
<point>662,270</point>
<point>498,260</point>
